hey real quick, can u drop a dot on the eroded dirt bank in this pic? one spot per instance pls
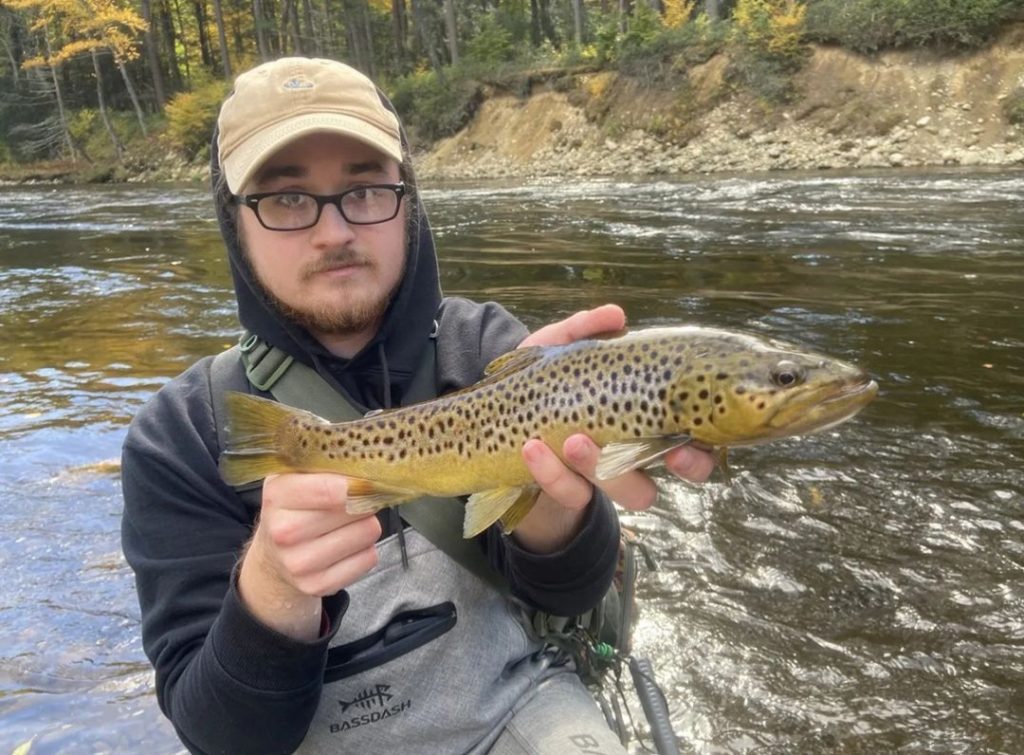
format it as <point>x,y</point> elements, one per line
<point>897,109</point>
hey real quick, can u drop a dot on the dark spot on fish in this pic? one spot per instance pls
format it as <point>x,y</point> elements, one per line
<point>685,396</point>
<point>722,376</point>
<point>718,398</point>
<point>761,405</point>
<point>739,390</point>
<point>698,421</point>
<point>388,440</point>
<point>401,453</point>
<point>703,394</point>
<point>700,378</point>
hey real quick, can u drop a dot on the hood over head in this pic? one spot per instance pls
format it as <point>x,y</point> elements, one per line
<point>271,106</point>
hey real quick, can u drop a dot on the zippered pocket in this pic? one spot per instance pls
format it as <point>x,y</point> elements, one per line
<point>405,632</point>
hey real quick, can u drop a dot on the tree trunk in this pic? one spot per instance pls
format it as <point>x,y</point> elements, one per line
<point>181,35</point>
<point>713,9</point>
<point>61,112</point>
<point>259,21</point>
<point>102,103</point>
<point>313,42</point>
<point>451,30</point>
<point>131,93</point>
<point>541,27</point>
<point>153,56</point>
<point>169,47</point>
<point>399,29</point>
<point>577,22</point>
<point>237,6</point>
<point>205,53</point>
<point>547,26</point>
<point>328,12</point>
<point>282,29</point>
<point>355,34</point>
<point>293,17</point>
<point>222,39</point>
<point>421,28</point>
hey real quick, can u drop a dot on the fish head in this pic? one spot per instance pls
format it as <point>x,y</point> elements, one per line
<point>746,390</point>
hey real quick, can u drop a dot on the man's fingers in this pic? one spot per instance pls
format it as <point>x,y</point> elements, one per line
<point>607,318</point>
<point>327,555</point>
<point>690,463</point>
<point>305,491</point>
<point>562,484</point>
<point>632,490</point>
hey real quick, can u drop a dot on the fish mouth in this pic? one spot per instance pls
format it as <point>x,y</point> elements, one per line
<point>824,407</point>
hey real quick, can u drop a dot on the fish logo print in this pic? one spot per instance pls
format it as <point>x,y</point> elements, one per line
<point>378,695</point>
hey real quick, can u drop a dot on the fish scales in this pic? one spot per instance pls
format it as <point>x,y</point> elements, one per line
<point>638,396</point>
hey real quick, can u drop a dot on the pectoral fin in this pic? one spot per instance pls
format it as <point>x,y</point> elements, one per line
<point>367,496</point>
<point>625,456</point>
<point>509,505</point>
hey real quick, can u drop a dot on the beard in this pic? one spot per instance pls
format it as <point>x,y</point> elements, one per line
<point>345,316</point>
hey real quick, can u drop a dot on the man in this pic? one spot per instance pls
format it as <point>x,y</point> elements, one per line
<point>275,619</point>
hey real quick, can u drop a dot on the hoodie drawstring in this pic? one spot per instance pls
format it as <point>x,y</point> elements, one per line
<point>394,517</point>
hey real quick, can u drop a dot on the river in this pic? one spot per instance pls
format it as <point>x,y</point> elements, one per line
<point>856,591</point>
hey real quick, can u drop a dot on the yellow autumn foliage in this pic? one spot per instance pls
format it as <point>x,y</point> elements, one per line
<point>92,24</point>
<point>775,27</point>
<point>678,12</point>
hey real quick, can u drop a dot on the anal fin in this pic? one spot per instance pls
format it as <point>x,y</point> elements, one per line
<point>624,456</point>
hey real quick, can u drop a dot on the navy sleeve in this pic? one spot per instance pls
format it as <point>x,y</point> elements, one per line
<point>226,682</point>
<point>574,579</point>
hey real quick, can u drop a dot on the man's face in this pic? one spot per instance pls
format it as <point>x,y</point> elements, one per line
<point>335,279</point>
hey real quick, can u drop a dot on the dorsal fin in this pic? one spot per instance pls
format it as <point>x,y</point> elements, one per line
<point>514,360</point>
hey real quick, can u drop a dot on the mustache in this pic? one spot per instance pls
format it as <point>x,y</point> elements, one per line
<point>343,258</point>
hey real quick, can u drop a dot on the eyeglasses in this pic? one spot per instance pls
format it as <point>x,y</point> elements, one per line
<point>296,210</point>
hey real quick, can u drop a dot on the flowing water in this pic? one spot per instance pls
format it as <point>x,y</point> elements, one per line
<point>856,591</point>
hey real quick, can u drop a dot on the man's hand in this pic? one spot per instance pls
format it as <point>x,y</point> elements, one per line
<point>306,546</point>
<point>568,487</point>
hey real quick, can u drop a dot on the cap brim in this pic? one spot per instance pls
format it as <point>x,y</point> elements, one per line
<point>243,162</point>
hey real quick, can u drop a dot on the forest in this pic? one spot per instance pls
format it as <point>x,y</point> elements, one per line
<point>112,82</point>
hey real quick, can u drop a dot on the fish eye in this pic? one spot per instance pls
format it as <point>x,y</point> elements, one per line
<point>786,374</point>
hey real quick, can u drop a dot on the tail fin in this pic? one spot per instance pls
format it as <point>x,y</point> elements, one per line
<point>253,448</point>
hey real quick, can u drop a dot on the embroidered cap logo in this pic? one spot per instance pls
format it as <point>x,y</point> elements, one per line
<point>298,82</point>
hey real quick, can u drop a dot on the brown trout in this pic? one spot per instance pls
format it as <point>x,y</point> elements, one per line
<point>637,396</point>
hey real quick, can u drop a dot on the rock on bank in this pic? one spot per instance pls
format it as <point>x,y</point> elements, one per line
<point>899,109</point>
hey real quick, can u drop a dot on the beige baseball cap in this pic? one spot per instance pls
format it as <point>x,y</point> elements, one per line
<point>280,101</point>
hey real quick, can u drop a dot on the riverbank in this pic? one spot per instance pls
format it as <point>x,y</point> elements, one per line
<point>899,109</point>
<point>848,111</point>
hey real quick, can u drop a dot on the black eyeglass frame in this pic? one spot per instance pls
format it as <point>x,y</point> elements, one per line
<point>252,200</point>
